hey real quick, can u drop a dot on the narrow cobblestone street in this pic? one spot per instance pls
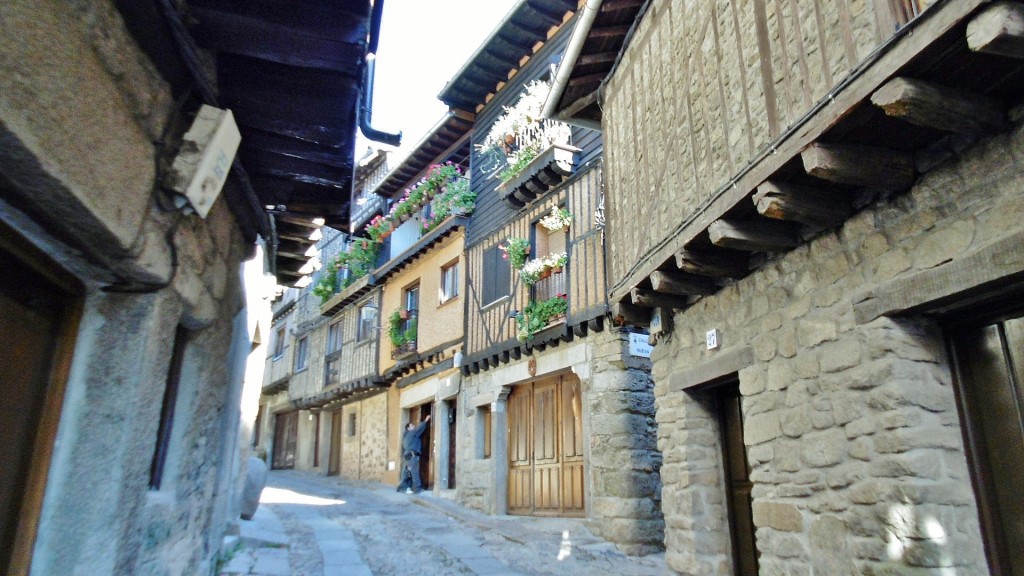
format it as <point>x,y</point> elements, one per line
<point>310,526</point>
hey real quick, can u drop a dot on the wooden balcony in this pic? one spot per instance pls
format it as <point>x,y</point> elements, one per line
<point>491,334</point>
<point>549,169</point>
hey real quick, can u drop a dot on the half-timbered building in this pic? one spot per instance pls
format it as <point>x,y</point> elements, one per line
<point>557,416</point>
<point>817,207</point>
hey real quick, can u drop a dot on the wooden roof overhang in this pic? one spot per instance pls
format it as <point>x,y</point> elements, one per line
<point>447,140</point>
<point>292,74</point>
<point>949,77</point>
<point>501,55</point>
<point>341,394</point>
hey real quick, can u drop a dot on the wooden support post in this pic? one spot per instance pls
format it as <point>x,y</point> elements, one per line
<point>860,165</point>
<point>940,107</point>
<point>763,235</point>
<point>652,299</point>
<point>805,204</point>
<point>625,313</point>
<point>716,264</point>
<point>681,284</point>
<point>998,30</point>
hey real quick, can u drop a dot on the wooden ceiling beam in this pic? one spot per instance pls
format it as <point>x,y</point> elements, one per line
<point>715,264</point>
<point>805,204</point>
<point>681,284</point>
<point>609,31</point>
<point>998,30</point>
<point>860,165</point>
<point>598,58</point>
<point>595,78</point>
<point>651,299</point>
<point>614,5</point>
<point>759,236</point>
<point>940,107</point>
<point>625,313</point>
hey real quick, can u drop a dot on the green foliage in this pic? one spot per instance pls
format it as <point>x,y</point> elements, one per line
<point>515,250</point>
<point>536,316</point>
<point>359,259</point>
<point>523,159</point>
<point>455,199</point>
<point>400,331</point>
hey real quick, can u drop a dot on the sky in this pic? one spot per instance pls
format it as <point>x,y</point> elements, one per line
<point>424,43</point>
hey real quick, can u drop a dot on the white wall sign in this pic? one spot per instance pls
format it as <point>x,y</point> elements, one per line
<point>639,346</point>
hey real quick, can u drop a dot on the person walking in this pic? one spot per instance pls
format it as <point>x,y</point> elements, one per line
<point>412,445</point>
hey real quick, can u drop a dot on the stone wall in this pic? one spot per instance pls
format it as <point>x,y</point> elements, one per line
<point>622,464</point>
<point>83,114</point>
<point>851,430</point>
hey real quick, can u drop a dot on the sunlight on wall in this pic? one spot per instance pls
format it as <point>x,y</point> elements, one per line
<point>281,496</point>
<point>909,538</point>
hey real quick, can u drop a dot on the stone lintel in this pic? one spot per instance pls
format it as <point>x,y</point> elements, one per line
<point>988,271</point>
<point>719,365</point>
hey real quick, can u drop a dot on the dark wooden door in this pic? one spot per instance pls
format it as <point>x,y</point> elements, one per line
<point>452,418</point>
<point>546,448</point>
<point>286,434</point>
<point>426,450</point>
<point>39,313</point>
<point>990,369</point>
<point>334,458</point>
<point>738,484</point>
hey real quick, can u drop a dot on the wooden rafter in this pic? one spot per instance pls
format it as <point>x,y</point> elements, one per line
<point>940,107</point>
<point>716,264</point>
<point>998,30</point>
<point>651,299</point>
<point>805,204</point>
<point>860,165</point>
<point>681,284</point>
<point>762,235</point>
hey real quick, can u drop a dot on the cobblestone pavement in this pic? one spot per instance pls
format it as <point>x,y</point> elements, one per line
<point>308,525</point>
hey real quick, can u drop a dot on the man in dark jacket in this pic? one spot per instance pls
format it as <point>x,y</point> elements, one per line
<point>412,444</point>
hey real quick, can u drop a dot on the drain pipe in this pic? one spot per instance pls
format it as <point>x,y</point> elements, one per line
<point>364,109</point>
<point>572,53</point>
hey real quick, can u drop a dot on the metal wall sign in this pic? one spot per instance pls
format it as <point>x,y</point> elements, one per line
<point>639,345</point>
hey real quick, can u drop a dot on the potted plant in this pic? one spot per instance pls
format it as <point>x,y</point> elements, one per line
<point>515,251</point>
<point>537,315</point>
<point>396,329</point>
<point>557,219</point>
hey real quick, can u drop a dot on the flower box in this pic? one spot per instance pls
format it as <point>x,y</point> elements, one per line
<point>543,173</point>
<point>404,351</point>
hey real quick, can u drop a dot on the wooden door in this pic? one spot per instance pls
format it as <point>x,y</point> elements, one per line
<point>738,484</point>
<point>990,368</point>
<point>452,418</point>
<point>286,434</point>
<point>39,311</point>
<point>334,458</point>
<point>546,448</point>
<point>426,450</point>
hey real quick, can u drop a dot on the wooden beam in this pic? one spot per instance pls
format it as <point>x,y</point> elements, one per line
<point>599,58</point>
<point>613,5</point>
<point>580,329</point>
<point>998,30</point>
<point>652,299</point>
<point>596,324</point>
<point>716,264</point>
<point>681,284</point>
<point>940,107</point>
<point>860,165</point>
<point>608,31</point>
<point>763,235</point>
<point>805,204</point>
<point>587,79</point>
<point>626,313</point>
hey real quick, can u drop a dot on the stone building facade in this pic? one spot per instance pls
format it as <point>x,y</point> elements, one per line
<point>834,390</point>
<point>127,419</point>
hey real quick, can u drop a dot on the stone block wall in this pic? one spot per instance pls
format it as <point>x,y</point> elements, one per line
<point>851,429</point>
<point>83,117</point>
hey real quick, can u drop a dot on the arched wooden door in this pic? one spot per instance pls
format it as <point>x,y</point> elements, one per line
<point>546,448</point>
